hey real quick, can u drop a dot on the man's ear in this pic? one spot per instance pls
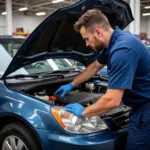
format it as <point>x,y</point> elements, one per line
<point>99,32</point>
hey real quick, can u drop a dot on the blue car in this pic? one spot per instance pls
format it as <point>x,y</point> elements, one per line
<point>31,117</point>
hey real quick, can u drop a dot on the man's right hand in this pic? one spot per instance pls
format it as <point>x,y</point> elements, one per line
<point>64,89</point>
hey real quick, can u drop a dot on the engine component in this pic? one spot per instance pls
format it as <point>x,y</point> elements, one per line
<point>84,98</point>
<point>42,95</point>
<point>90,86</point>
<point>101,86</point>
<point>52,99</point>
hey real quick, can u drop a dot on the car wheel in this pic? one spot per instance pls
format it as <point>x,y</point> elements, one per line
<point>16,136</point>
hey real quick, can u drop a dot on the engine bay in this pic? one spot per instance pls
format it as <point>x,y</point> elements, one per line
<point>44,87</point>
<point>85,94</point>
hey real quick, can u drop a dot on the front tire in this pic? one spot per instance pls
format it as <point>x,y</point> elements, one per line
<point>16,136</point>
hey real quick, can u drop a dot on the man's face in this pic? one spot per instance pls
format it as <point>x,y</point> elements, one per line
<point>93,40</point>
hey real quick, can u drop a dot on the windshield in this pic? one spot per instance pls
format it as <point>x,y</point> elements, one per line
<point>46,65</point>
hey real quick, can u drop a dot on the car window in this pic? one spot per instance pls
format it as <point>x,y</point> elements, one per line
<point>7,52</point>
<point>78,63</point>
<point>11,45</point>
<point>63,64</point>
<point>5,59</point>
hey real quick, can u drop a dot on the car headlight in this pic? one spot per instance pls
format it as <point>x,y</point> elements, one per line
<point>74,124</point>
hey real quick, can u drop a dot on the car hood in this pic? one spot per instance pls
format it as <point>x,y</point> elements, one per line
<point>55,36</point>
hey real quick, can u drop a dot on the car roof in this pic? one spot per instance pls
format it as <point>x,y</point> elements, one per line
<point>11,37</point>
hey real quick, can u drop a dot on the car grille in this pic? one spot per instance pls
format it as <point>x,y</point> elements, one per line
<point>120,116</point>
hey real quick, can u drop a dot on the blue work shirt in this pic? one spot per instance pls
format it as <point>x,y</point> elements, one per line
<point>128,62</point>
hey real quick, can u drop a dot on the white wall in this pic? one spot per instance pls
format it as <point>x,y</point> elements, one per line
<point>148,28</point>
<point>144,24</point>
<point>29,23</point>
<point>2,25</point>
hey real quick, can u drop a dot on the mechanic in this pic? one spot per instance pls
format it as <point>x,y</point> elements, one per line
<point>128,62</point>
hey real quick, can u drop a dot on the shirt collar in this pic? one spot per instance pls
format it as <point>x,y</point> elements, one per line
<point>113,37</point>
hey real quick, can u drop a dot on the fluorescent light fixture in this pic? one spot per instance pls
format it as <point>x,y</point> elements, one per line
<point>40,13</point>
<point>146,14</point>
<point>4,13</point>
<point>147,7</point>
<point>57,1</point>
<point>23,9</point>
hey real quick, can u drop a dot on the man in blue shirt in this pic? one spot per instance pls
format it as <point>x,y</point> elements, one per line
<point>128,62</point>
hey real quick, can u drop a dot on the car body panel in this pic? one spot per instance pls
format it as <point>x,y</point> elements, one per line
<point>102,140</point>
<point>32,110</point>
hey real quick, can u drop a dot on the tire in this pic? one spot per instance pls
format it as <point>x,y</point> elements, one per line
<point>19,134</point>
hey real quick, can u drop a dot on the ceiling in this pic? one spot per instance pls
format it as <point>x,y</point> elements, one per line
<point>47,6</point>
<point>35,6</point>
<point>143,4</point>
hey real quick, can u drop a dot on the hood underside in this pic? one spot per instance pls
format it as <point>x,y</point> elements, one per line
<point>56,37</point>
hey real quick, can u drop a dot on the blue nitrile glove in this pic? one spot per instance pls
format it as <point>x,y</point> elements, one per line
<point>64,89</point>
<point>75,109</point>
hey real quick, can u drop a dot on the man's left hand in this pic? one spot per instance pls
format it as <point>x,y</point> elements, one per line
<point>75,109</point>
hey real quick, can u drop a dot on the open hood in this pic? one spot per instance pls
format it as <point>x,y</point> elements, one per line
<point>55,36</point>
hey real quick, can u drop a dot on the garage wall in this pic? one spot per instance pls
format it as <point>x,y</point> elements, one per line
<point>2,25</point>
<point>145,25</point>
<point>148,28</point>
<point>29,23</point>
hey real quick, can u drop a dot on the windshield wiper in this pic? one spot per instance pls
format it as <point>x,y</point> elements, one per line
<point>33,76</point>
<point>40,75</point>
<point>22,76</point>
<point>58,72</point>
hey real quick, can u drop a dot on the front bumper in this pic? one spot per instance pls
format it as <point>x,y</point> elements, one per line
<point>98,141</point>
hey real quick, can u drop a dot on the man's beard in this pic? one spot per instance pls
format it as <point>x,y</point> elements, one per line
<point>99,47</point>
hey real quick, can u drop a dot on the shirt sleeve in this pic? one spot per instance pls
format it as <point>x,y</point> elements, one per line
<point>102,58</point>
<point>123,64</point>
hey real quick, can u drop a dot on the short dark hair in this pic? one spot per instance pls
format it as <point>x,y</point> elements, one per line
<point>90,18</point>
